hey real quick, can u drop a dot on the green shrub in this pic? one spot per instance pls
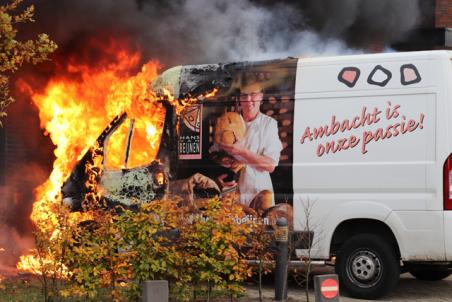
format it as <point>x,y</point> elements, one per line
<point>198,252</point>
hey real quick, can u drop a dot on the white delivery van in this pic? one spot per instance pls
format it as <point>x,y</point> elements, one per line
<point>363,143</point>
<point>372,158</point>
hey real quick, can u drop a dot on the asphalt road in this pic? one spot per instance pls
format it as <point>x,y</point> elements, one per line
<point>409,289</point>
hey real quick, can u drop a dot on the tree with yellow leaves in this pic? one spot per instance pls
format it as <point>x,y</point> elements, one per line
<point>14,53</point>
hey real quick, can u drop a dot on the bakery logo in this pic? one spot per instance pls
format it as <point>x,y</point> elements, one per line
<point>190,139</point>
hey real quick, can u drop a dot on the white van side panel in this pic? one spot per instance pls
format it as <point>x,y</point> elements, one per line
<point>419,234</point>
<point>448,138</point>
<point>448,234</point>
<point>396,180</point>
<point>321,220</point>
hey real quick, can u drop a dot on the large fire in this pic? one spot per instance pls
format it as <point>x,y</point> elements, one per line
<point>76,106</point>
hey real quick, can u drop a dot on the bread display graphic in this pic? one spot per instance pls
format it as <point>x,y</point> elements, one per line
<point>229,128</point>
<point>262,201</point>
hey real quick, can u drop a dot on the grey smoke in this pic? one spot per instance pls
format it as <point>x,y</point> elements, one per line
<point>207,31</point>
<point>12,246</point>
<point>16,200</point>
<point>360,22</point>
<point>241,30</point>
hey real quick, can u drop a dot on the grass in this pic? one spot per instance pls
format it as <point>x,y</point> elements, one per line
<point>28,288</point>
<point>20,289</point>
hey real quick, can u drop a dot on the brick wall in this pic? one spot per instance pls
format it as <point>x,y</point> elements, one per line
<point>443,13</point>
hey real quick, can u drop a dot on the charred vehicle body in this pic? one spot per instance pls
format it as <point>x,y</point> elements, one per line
<point>141,184</point>
<point>183,165</point>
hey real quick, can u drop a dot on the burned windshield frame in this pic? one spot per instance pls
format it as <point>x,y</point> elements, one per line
<point>106,146</point>
<point>128,142</point>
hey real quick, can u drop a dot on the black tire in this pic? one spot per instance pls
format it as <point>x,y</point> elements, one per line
<point>430,274</point>
<point>367,266</point>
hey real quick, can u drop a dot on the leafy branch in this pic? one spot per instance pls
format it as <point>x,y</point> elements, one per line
<point>14,52</point>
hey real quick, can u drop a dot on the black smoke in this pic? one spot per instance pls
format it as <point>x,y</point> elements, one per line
<point>207,31</point>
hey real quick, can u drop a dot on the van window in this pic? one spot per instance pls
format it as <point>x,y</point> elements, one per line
<point>134,144</point>
<point>144,143</point>
<point>114,152</point>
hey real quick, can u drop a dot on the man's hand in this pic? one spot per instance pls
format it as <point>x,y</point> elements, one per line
<point>260,162</point>
<point>225,184</point>
<point>234,149</point>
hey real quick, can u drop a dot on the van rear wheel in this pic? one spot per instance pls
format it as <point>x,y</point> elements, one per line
<point>367,266</point>
<point>430,274</point>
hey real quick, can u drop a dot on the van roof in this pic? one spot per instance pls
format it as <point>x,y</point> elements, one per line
<point>388,56</point>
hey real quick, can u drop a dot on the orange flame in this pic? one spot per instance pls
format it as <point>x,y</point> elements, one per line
<point>76,106</point>
<point>74,109</point>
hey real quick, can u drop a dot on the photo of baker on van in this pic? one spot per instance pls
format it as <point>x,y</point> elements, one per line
<point>244,142</point>
<point>259,150</point>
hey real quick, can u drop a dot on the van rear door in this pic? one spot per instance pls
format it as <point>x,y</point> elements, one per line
<point>447,175</point>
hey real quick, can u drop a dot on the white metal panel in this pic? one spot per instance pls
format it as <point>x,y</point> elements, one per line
<point>420,234</point>
<point>320,75</point>
<point>402,174</point>
<point>395,165</point>
<point>326,213</point>
<point>448,234</point>
<point>447,133</point>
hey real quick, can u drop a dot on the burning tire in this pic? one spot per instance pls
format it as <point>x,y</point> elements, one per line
<point>367,266</point>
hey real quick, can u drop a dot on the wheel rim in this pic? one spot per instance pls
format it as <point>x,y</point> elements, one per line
<point>364,268</point>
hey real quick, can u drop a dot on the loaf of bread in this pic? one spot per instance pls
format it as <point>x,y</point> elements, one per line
<point>229,128</point>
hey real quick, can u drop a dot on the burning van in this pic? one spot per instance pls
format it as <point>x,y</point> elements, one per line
<point>360,143</point>
<point>191,161</point>
<point>122,186</point>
